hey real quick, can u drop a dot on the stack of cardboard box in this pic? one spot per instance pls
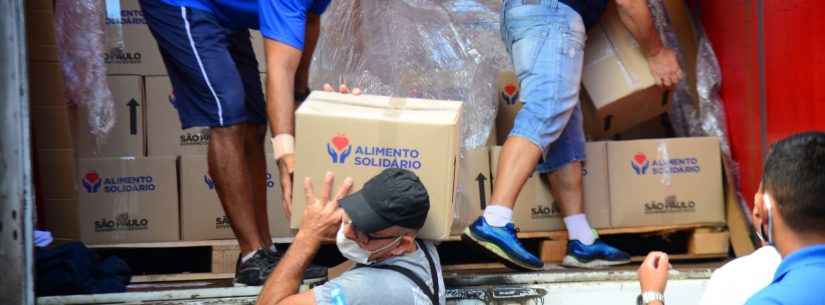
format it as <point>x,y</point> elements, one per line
<point>635,183</point>
<point>146,181</point>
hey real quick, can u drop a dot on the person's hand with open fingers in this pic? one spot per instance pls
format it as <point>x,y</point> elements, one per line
<point>653,272</point>
<point>322,216</point>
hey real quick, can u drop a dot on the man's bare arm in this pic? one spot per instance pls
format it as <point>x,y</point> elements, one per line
<point>282,286</point>
<point>636,17</point>
<point>282,61</point>
<point>312,33</point>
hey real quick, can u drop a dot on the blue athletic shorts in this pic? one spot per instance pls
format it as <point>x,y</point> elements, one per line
<point>213,69</point>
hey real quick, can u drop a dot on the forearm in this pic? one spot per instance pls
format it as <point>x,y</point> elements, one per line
<point>282,62</point>
<point>286,278</point>
<point>636,16</point>
<point>312,32</point>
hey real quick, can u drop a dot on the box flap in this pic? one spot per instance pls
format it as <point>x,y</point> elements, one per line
<point>384,108</point>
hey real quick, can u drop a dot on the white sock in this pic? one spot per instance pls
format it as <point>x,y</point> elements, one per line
<point>498,215</point>
<point>248,256</point>
<point>579,229</point>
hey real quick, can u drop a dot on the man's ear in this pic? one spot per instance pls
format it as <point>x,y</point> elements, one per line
<point>406,244</point>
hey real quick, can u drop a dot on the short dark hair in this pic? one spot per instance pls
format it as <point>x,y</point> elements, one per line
<point>795,176</point>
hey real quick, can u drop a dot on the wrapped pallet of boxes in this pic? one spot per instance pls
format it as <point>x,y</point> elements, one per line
<point>359,136</point>
<point>665,182</point>
<point>617,79</point>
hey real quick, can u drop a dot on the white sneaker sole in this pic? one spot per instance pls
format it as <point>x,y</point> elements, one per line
<point>498,251</point>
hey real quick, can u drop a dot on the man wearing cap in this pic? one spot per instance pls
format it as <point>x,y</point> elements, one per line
<point>375,227</point>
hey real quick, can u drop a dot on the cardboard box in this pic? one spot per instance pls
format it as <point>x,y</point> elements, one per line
<point>359,136</point>
<point>165,137</point>
<point>665,182</point>
<point>617,77</point>
<point>126,138</point>
<point>536,210</point>
<point>51,128</point>
<point>202,216</point>
<point>140,55</point>
<point>509,104</point>
<point>46,82</point>
<point>128,200</point>
<point>56,174</point>
<point>474,187</point>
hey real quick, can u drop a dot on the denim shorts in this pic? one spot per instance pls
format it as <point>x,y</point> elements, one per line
<point>545,39</point>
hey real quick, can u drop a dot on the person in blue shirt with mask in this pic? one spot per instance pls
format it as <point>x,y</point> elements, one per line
<point>790,213</point>
<point>208,55</point>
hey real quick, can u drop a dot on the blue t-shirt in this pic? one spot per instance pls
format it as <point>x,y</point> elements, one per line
<point>798,280</point>
<point>281,20</point>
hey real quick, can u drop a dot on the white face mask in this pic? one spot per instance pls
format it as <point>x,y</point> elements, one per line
<point>352,251</point>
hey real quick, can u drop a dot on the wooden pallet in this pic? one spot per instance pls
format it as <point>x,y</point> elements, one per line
<point>705,241</point>
<point>223,256</point>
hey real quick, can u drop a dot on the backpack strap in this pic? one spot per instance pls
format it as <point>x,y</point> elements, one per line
<point>433,294</point>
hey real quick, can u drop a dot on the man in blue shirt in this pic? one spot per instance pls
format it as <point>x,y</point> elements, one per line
<point>790,213</point>
<point>208,54</point>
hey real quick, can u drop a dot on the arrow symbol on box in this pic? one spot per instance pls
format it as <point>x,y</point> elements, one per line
<point>481,194</point>
<point>133,104</point>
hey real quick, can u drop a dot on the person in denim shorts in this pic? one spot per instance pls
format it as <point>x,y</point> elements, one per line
<point>545,39</point>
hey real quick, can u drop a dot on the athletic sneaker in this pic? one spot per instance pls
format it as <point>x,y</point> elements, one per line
<point>255,273</point>
<point>255,270</point>
<point>503,243</point>
<point>595,256</point>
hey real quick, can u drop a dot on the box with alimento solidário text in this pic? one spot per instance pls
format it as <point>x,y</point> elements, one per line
<point>617,78</point>
<point>359,136</point>
<point>201,213</point>
<point>128,200</point>
<point>126,138</point>
<point>536,210</point>
<point>665,182</point>
<point>140,54</point>
<point>164,133</point>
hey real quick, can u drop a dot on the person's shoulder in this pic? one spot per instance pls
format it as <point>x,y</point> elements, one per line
<point>767,296</point>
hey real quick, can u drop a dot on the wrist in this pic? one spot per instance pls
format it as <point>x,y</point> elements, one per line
<point>283,145</point>
<point>655,51</point>
<point>308,239</point>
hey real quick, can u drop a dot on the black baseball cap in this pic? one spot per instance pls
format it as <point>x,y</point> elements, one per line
<point>395,197</point>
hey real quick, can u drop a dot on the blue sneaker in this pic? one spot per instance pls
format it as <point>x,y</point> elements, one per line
<point>502,242</point>
<point>597,255</point>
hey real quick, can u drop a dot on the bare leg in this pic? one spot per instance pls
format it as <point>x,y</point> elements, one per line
<point>566,187</point>
<point>257,168</point>
<point>228,166</point>
<point>516,162</point>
